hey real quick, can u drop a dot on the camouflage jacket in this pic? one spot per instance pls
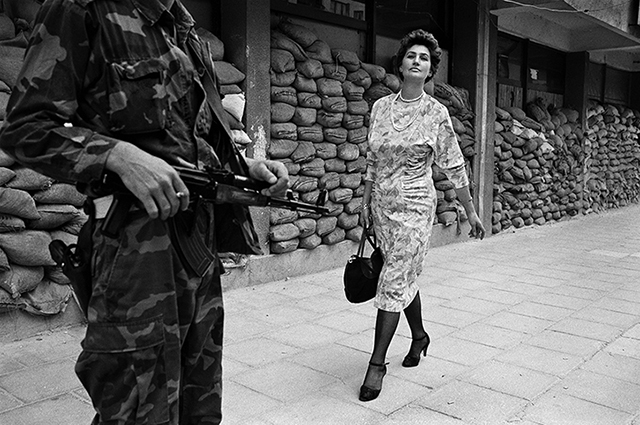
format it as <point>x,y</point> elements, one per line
<point>102,72</point>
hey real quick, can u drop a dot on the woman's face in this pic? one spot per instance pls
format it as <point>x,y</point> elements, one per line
<point>416,63</point>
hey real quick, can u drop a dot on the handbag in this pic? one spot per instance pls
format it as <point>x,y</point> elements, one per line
<point>361,273</point>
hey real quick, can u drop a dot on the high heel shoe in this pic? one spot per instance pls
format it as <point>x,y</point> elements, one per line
<point>412,360</point>
<point>368,393</point>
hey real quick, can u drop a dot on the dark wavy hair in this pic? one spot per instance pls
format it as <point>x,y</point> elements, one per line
<point>421,38</point>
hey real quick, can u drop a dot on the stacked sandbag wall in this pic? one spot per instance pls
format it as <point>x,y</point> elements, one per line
<point>612,148</point>
<point>321,100</point>
<point>548,167</point>
<point>539,164</point>
<point>33,208</point>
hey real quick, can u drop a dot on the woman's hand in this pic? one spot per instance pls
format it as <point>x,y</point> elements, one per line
<point>272,172</point>
<point>365,216</point>
<point>477,229</point>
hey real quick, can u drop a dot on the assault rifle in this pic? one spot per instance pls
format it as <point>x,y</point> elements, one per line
<point>210,185</point>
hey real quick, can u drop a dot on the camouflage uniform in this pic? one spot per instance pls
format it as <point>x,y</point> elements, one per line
<point>102,72</point>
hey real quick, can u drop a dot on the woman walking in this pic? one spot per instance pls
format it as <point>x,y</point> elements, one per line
<point>409,132</point>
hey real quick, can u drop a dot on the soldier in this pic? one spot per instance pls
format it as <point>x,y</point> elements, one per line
<point>127,86</point>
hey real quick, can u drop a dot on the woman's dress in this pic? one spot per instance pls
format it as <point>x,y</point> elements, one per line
<point>405,139</point>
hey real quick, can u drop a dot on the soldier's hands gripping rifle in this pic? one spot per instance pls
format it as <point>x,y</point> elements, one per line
<point>211,185</point>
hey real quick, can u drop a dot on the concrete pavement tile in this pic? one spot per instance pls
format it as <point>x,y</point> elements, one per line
<point>473,404</point>
<point>435,330</point>
<point>396,393</point>
<point>232,367</point>
<point>491,335</point>
<point>322,409</point>
<point>555,408</point>
<point>364,342</point>
<point>62,410</point>
<point>9,365</point>
<point>475,305</point>
<point>240,404</point>
<point>608,317</point>
<point>510,379</point>
<point>579,327</point>
<point>566,343</point>
<point>532,279</point>
<point>7,402</point>
<point>347,321</point>
<point>634,332</point>
<point>277,315</point>
<point>432,371</point>
<point>498,296</point>
<point>543,360</point>
<point>519,287</point>
<point>442,292</point>
<point>601,389</point>
<point>627,295</point>
<point>519,322</point>
<point>45,347</point>
<point>306,335</point>
<point>621,306</point>
<point>238,327</point>
<point>435,274</point>
<point>571,290</point>
<point>588,282</point>
<point>262,299</point>
<point>258,351</point>
<point>564,301</point>
<point>335,360</point>
<point>40,382</point>
<point>463,352</point>
<point>462,267</point>
<point>323,303</point>
<point>82,394</point>
<point>297,287</point>
<point>615,365</point>
<point>610,278</point>
<point>627,269</point>
<point>541,311</point>
<point>467,282</point>
<point>556,272</point>
<point>607,253</point>
<point>284,381</point>
<point>498,272</point>
<point>412,414</point>
<point>451,317</point>
<point>624,346</point>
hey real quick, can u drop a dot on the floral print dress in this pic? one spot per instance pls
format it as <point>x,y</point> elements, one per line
<point>405,139</point>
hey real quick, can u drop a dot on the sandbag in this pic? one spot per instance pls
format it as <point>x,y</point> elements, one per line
<point>377,72</point>
<point>28,179</point>
<point>307,227</point>
<point>301,35</point>
<point>304,84</point>
<point>227,73</point>
<point>18,203</point>
<point>335,71</point>
<point>321,51</point>
<point>334,104</point>
<point>27,248</point>
<point>311,133</point>
<point>286,95</point>
<point>309,100</point>
<point>60,193</point>
<point>216,46</point>
<point>5,159</point>
<point>11,63</point>
<point>53,216</point>
<point>346,58</point>
<point>19,279</point>
<point>282,79</point>
<point>47,298</point>
<point>6,174</point>
<point>310,68</point>
<point>304,117</point>
<point>283,232</point>
<point>281,112</point>
<point>329,87</point>
<point>352,91</point>
<point>281,41</point>
<point>282,61</point>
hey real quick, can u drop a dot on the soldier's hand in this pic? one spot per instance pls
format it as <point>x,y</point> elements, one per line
<point>155,183</point>
<point>272,172</point>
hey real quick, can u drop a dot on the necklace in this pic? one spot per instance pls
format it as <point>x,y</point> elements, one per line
<point>412,118</point>
<point>410,100</point>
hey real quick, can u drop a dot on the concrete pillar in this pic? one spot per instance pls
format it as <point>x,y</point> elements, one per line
<point>474,66</point>
<point>575,92</point>
<point>246,35</point>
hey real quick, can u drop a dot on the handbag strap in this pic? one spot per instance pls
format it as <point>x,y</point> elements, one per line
<point>367,235</point>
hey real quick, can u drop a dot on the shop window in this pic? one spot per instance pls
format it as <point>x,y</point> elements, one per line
<point>545,69</point>
<point>323,9</point>
<point>510,59</point>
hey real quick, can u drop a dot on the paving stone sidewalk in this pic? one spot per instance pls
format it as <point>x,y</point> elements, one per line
<point>535,327</point>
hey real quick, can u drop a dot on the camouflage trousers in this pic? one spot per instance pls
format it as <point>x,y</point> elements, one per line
<point>153,347</point>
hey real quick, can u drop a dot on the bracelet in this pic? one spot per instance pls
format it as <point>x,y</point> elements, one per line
<point>364,206</point>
